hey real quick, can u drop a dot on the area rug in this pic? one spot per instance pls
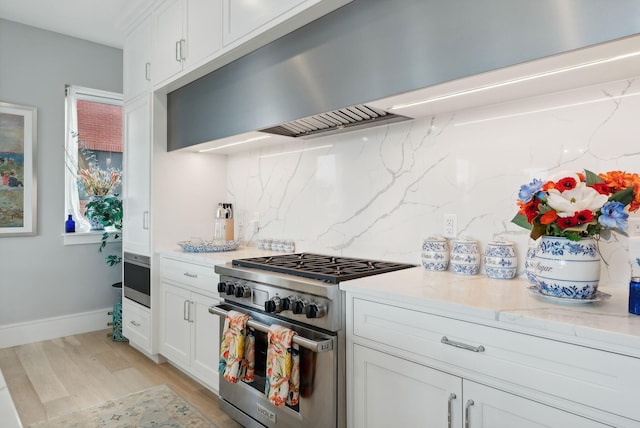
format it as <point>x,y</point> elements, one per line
<point>159,406</point>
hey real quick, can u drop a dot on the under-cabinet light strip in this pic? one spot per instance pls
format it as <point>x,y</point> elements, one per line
<point>250,140</point>
<point>542,110</point>
<point>297,151</point>
<point>514,81</point>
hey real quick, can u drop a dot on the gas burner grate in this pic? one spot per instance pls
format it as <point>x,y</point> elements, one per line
<point>331,269</point>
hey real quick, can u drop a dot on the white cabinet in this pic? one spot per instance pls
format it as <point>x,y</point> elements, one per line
<point>486,407</point>
<point>185,32</point>
<point>137,176</point>
<point>189,334</point>
<point>391,391</point>
<point>241,17</point>
<point>136,325</point>
<point>547,381</point>
<point>137,60</point>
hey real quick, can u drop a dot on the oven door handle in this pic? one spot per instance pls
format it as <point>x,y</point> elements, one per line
<point>315,346</point>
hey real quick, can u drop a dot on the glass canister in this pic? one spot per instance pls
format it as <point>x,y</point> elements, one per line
<point>465,256</point>
<point>500,260</point>
<point>634,295</point>
<point>435,253</point>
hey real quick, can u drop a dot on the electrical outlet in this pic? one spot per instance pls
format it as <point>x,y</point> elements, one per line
<point>633,228</point>
<point>450,225</point>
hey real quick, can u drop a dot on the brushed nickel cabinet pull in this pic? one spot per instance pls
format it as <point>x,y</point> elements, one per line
<point>452,397</point>
<point>136,324</point>
<point>466,412</point>
<point>461,345</point>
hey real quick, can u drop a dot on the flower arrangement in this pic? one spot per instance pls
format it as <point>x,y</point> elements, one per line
<point>99,182</point>
<point>578,205</point>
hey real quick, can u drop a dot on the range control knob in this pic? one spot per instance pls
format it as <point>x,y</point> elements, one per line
<point>287,303</point>
<point>273,305</point>
<point>315,310</point>
<point>297,307</point>
<point>222,287</point>
<point>242,291</point>
<point>231,289</point>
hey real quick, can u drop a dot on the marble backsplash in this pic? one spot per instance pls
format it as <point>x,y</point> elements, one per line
<point>377,193</point>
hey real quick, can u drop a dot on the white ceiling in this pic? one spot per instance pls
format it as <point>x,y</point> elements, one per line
<point>99,21</point>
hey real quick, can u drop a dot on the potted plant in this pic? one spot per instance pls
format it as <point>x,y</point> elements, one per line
<point>569,213</point>
<point>108,211</point>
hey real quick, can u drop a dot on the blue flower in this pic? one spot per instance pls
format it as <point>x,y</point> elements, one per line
<point>613,216</point>
<point>528,191</point>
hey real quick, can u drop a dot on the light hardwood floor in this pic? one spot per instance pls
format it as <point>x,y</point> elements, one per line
<point>60,376</point>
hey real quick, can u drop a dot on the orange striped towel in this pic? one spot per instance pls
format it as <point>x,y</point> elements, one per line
<point>283,367</point>
<point>232,348</point>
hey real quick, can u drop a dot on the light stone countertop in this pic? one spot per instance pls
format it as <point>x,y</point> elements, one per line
<point>508,304</point>
<point>216,258</point>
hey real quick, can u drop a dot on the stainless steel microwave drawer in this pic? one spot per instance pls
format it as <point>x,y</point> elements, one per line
<point>583,375</point>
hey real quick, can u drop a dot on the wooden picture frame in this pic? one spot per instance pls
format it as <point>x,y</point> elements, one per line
<point>18,184</point>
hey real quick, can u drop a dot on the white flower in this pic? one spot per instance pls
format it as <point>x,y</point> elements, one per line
<point>571,201</point>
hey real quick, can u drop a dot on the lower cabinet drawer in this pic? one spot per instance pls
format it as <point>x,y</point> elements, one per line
<point>592,377</point>
<point>136,324</point>
<point>194,275</point>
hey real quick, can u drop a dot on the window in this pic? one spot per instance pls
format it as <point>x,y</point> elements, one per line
<point>93,144</point>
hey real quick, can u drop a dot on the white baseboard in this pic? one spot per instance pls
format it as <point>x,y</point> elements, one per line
<point>51,328</point>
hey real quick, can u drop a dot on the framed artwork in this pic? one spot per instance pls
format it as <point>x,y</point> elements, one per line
<point>18,129</point>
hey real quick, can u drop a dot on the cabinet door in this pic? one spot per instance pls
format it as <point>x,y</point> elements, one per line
<point>167,36</point>
<point>205,343</point>
<point>136,177</point>
<point>176,328</point>
<point>204,30</point>
<point>137,60</point>
<point>243,16</point>
<point>493,408</point>
<point>392,392</point>
<point>136,324</point>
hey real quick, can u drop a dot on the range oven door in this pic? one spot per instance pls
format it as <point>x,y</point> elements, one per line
<point>318,403</point>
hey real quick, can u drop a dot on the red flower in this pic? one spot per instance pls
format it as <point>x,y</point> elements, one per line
<point>567,183</point>
<point>565,222</point>
<point>584,216</point>
<point>530,209</point>
<point>601,188</point>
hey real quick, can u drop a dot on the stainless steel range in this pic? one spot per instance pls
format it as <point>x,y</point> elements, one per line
<point>299,291</point>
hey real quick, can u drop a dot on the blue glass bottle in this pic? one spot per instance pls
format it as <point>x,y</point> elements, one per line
<point>70,225</point>
<point>634,295</point>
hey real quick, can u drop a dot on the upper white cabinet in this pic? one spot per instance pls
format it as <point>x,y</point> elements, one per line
<point>244,16</point>
<point>255,18</point>
<point>185,32</point>
<point>137,176</point>
<point>137,60</point>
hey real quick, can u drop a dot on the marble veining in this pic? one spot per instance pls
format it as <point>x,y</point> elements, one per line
<point>379,192</point>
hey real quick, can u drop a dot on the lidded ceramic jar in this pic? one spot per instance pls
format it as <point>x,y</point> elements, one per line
<point>500,259</point>
<point>465,256</point>
<point>530,262</point>
<point>435,253</point>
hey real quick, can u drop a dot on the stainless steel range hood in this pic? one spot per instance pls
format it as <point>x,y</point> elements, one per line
<point>344,119</point>
<point>371,50</point>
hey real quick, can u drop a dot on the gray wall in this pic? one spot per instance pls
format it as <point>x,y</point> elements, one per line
<point>39,276</point>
